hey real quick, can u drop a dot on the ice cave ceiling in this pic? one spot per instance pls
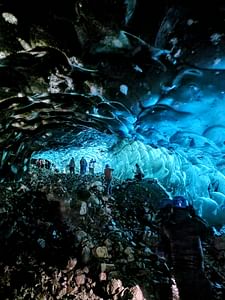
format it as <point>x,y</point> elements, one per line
<point>117,80</point>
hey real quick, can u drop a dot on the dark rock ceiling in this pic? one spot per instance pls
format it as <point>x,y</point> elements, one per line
<point>63,65</point>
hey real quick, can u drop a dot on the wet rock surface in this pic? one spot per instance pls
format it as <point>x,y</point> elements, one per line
<point>63,238</point>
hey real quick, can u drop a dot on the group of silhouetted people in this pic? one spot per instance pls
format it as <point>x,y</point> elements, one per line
<point>107,171</point>
<point>83,169</point>
<point>83,166</point>
<point>43,163</point>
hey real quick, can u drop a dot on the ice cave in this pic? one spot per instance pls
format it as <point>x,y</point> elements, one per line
<point>123,82</point>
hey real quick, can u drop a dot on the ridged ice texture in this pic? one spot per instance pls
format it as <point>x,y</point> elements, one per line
<point>179,174</point>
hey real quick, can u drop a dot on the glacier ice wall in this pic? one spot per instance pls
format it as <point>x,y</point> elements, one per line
<point>180,173</point>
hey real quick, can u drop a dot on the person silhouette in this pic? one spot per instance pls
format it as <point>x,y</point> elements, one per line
<point>92,166</point>
<point>182,233</point>
<point>72,166</point>
<point>108,178</point>
<point>83,166</point>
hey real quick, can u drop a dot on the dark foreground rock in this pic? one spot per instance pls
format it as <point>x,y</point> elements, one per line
<point>62,237</point>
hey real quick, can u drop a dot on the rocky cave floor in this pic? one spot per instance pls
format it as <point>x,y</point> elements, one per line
<point>61,237</point>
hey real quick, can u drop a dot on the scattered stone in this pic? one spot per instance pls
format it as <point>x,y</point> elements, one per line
<point>83,208</point>
<point>80,279</point>
<point>101,245</point>
<point>101,252</point>
<point>136,293</point>
<point>115,286</point>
